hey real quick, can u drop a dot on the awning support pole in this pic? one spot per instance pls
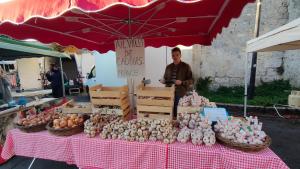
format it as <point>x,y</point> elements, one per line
<point>246,85</point>
<point>254,54</point>
<point>62,77</point>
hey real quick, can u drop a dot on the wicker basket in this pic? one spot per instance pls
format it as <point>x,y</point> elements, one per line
<point>65,131</point>
<point>31,129</point>
<point>243,146</point>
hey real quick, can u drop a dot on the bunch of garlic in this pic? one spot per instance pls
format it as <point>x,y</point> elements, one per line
<point>209,137</point>
<point>134,130</point>
<point>162,130</point>
<point>137,130</point>
<point>195,128</point>
<point>184,135</point>
<point>247,132</point>
<point>113,130</point>
<point>195,100</point>
<point>96,122</point>
<point>192,121</point>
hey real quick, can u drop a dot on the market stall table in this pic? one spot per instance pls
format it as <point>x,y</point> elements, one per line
<point>95,152</point>
<point>37,93</point>
<point>15,109</point>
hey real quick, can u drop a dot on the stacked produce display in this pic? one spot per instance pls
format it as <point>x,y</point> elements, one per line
<point>194,100</point>
<point>198,130</point>
<point>193,103</point>
<point>106,117</point>
<point>141,130</point>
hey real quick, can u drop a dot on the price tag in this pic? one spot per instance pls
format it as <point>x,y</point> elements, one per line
<point>214,114</point>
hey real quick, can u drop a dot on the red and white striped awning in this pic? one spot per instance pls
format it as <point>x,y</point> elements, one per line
<point>95,24</point>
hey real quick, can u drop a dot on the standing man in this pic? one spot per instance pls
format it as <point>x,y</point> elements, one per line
<point>5,93</point>
<point>180,74</point>
<point>54,76</point>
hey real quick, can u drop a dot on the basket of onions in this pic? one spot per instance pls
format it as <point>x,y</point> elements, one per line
<point>67,124</point>
<point>34,121</point>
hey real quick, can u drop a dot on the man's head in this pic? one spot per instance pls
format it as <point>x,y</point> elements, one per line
<point>53,66</point>
<point>176,55</point>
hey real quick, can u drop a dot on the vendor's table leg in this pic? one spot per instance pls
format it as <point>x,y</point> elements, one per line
<point>31,163</point>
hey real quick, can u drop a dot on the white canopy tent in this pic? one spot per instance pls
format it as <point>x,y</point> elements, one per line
<point>286,37</point>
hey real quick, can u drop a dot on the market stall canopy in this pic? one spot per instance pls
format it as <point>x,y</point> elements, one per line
<point>11,49</point>
<point>95,24</point>
<point>286,37</point>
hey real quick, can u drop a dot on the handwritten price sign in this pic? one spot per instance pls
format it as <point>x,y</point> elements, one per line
<point>130,57</point>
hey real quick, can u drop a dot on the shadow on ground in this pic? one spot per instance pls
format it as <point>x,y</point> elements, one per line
<point>18,162</point>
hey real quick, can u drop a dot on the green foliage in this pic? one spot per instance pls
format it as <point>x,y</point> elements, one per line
<point>202,85</point>
<point>267,94</point>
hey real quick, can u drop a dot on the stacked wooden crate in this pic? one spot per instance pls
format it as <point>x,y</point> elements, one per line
<point>104,97</point>
<point>155,102</point>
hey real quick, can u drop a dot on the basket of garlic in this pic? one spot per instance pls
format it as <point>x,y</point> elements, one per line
<point>67,124</point>
<point>95,124</point>
<point>34,121</point>
<point>242,134</point>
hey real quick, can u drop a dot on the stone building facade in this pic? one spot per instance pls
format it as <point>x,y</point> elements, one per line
<point>224,60</point>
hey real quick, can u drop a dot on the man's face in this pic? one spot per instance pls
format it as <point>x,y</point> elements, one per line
<point>176,56</point>
<point>53,67</point>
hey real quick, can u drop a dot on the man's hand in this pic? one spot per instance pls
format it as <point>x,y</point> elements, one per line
<point>178,82</point>
<point>162,81</point>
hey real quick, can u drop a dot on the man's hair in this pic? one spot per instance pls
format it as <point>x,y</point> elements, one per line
<point>176,49</point>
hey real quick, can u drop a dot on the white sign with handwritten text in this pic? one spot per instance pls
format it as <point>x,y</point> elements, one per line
<point>130,57</point>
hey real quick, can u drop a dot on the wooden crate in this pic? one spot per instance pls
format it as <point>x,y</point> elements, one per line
<point>111,96</point>
<point>155,102</point>
<point>154,112</point>
<point>157,96</point>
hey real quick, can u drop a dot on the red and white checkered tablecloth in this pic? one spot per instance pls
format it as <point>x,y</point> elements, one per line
<point>264,159</point>
<point>91,153</point>
<point>187,156</point>
<point>39,145</point>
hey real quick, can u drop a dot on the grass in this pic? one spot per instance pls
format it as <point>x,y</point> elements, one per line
<point>267,94</point>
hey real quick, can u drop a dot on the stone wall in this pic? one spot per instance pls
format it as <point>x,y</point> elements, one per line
<point>224,60</point>
<point>292,58</point>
